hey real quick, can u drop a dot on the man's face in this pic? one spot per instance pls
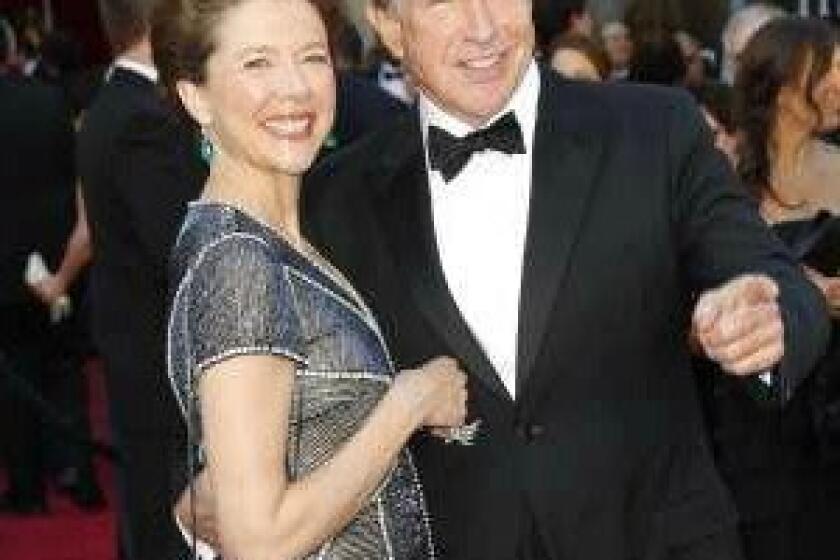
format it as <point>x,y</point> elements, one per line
<point>618,44</point>
<point>467,56</point>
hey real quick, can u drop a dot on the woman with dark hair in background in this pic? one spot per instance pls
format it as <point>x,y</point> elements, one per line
<point>782,467</point>
<point>288,390</point>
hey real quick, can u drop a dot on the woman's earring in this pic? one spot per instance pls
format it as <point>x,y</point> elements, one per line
<point>206,148</point>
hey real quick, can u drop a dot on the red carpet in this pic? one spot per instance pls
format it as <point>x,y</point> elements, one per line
<point>67,533</point>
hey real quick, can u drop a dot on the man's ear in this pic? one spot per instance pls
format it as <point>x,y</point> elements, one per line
<point>192,98</point>
<point>386,23</point>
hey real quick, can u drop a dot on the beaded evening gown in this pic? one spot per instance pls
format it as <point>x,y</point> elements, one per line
<point>241,290</point>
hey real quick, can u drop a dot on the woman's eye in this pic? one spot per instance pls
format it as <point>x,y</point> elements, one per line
<point>258,62</point>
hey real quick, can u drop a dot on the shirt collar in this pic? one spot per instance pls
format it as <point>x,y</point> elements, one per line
<point>523,103</point>
<point>146,70</point>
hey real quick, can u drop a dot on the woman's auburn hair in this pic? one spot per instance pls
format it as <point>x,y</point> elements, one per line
<point>183,35</point>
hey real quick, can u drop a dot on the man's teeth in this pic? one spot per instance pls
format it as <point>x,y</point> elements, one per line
<point>289,126</point>
<point>482,63</point>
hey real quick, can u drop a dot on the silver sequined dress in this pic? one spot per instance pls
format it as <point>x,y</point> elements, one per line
<point>243,290</point>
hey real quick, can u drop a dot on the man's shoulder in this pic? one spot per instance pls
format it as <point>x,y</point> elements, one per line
<point>22,94</point>
<point>122,111</point>
<point>618,101</point>
<point>369,154</point>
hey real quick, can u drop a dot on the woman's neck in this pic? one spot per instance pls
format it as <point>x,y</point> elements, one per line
<point>789,152</point>
<point>271,197</point>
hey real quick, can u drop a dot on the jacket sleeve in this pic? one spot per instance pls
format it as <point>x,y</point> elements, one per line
<point>721,235</point>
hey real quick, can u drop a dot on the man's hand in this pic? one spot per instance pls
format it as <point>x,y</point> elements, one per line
<point>739,325</point>
<point>830,288</point>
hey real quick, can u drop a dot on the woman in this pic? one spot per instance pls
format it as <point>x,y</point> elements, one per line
<point>782,467</point>
<point>578,58</point>
<point>279,366</point>
<point>788,92</point>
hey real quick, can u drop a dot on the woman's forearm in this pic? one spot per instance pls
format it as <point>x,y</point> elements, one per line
<point>261,514</point>
<point>319,505</point>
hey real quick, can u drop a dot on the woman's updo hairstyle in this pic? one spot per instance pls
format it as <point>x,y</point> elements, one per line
<point>184,36</point>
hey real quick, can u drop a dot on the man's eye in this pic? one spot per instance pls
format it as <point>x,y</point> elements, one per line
<point>317,58</point>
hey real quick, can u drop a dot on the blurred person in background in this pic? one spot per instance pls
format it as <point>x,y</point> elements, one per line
<point>657,59</point>
<point>695,64</point>
<point>739,29</point>
<point>578,58</point>
<point>553,18</point>
<point>619,45</point>
<point>139,165</point>
<point>365,101</point>
<point>37,186</point>
<point>717,101</point>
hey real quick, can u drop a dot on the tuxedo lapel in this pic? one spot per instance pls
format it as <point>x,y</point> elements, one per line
<point>405,212</point>
<point>565,164</point>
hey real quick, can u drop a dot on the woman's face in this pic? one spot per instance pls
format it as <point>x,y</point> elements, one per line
<point>826,95</point>
<point>574,65</point>
<point>269,95</point>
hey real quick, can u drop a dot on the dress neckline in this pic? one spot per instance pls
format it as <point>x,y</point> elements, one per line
<point>314,259</point>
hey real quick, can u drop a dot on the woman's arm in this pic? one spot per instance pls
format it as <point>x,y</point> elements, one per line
<point>245,404</point>
<point>77,255</point>
<point>829,286</point>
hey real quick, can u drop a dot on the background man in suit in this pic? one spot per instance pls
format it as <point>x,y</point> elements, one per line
<point>560,239</point>
<point>139,167</point>
<point>37,181</point>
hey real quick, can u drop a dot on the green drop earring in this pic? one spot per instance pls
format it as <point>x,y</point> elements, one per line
<point>206,148</point>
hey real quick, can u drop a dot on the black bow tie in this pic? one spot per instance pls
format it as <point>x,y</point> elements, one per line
<point>449,154</point>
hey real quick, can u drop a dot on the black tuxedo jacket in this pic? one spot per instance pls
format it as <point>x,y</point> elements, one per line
<point>139,167</point>
<point>632,213</point>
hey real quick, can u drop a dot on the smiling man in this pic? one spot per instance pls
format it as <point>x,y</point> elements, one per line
<point>560,240</point>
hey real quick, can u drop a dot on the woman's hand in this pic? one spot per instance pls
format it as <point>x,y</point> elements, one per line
<point>436,393</point>
<point>830,288</point>
<point>50,289</point>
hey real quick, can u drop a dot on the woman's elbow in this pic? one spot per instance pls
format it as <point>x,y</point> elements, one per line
<point>266,537</point>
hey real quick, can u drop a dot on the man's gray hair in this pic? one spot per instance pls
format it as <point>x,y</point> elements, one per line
<point>386,4</point>
<point>740,28</point>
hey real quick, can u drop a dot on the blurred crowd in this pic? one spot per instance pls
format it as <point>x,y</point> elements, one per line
<point>83,256</point>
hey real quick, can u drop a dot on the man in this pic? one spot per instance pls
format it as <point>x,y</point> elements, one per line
<point>139,167</point>
<point>619,46</point>
<point>559,239</point>
<point>561,17</point>
<point>37,176</point>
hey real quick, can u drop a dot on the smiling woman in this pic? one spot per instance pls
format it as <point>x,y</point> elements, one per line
<point>298,422</point>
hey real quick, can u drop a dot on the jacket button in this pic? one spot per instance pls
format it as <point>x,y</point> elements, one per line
<point>530,432</point>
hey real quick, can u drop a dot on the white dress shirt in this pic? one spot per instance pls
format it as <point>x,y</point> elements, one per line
<point>481,221</point>
<point>146,70</point>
